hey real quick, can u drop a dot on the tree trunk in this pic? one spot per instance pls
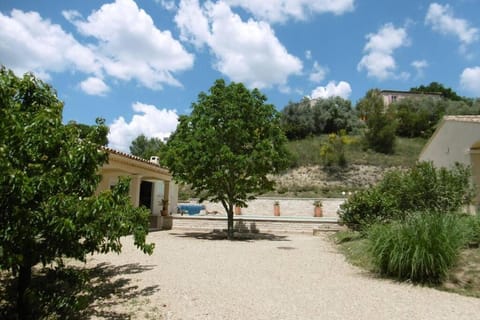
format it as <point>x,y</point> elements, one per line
<point>23,303</point>
<point>230,225</point>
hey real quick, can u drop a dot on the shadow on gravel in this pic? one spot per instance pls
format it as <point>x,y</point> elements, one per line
<point>79,293</point>
<point>238,236</point>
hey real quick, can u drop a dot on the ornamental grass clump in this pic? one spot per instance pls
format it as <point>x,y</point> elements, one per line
<point>421,248</point>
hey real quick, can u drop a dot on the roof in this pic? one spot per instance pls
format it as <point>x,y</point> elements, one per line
<point>412,92</point>
<point>136,161</point>
<point>128,155</point>
<point>475,119</point>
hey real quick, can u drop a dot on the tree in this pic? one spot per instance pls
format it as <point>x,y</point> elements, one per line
<point>227,146</point>
<point>319,116</point>
<point>435,87</point>
<point>297,120</point>
<point>145,148</point>
<point>334,114</point>
<point>48,179</point>
<point>418,117</point>
<point>381,125</point>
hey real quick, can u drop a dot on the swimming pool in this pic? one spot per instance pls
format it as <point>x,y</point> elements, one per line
<point>190,209</point>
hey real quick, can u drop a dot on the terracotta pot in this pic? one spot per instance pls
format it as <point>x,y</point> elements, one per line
<point>318,212</point>
<point>276,210</point>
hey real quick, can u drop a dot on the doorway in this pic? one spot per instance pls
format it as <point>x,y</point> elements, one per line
<point>146,188</point>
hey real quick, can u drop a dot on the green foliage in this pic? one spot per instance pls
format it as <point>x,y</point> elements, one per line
<point>297,120</point>
<point>227,146</point>
<point>319,116</point>
<point>145,148</point>
<point>435,87</point>
<point>421,188</point>
<point>380,122</point>
<point>333,150</point>
<point>305,152</point>
<point>418,117</point>
<point>334,115</point>
<point>421,248</point>
<point>48,181</point>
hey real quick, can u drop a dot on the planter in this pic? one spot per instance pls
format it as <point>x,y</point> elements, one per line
<point>317,212</point>
<point>276,210</point>
<point>238,210</point>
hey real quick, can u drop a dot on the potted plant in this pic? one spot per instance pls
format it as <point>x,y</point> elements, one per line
<point>276,209</point>
<point>318,208</point>
<point>238,210</point>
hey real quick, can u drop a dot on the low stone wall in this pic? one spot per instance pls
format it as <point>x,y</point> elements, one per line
<point>254,224</point>
<point>289,207</point>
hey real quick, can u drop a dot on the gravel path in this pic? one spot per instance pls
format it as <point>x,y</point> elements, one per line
<point>279,277</point>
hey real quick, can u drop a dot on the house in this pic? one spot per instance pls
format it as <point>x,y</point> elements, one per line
<point>150,186</point>
<point>390,96</point>
<point>456,139</point>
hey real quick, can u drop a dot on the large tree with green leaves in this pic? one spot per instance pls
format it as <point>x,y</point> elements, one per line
<point>227,146</point>
<point>144,147</point>
<point>48,178</point>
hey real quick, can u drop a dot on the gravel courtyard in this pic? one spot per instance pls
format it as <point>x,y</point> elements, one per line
<point>196,276</point>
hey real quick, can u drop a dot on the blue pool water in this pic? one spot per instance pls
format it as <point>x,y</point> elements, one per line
<point>191,209</point>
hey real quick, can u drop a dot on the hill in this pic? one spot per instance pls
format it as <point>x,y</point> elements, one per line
<point>308,177</point>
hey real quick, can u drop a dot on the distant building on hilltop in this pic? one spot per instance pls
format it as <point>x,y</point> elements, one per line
<point>390,96</point>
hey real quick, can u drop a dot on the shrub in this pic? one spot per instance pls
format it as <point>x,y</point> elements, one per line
<point>421,248</point>
<point>367,207</point>
<point>422,188</point>
<point>471,225</point>
<point>332,151</point>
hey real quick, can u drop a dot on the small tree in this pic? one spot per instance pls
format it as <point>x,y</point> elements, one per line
<point>48,176</point>
<point>144,147</point>
<point>381,125</point>
<point>227,146</point>
<point>332,151</point>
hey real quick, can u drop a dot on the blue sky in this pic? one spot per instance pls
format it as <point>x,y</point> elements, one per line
<point>139,64</point>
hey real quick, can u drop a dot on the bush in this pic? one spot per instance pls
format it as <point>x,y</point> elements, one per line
<point>421,249</point>
<point>367,207</point>
<point>422,188</point>
<point>472,229</point>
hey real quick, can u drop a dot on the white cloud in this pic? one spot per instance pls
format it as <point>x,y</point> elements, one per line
<point>442,19</point>
<point>332,89</point>
<point>30,43</point>
<point>168,5</point>
<point>318,73</point>
<point>308,55</point>
<point>126,45</point>
<point>94,86</point>
<point>378,60</point>
<point>470,80</point>
<point>419,66</point>
<point>283,10</point>
<point>148,120</point>
<point>246,52</point>
<point>131,46</point>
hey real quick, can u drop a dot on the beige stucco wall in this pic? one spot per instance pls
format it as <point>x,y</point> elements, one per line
<point>164,189</point>
<point>451,143</point>
<point>456,141</point>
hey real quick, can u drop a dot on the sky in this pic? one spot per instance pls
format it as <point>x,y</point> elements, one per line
<point>139,64</point>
